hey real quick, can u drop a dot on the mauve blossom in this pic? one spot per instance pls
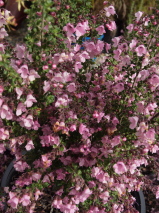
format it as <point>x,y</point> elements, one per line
<point>2,148</point>
<point>20,166</point>
<point>78,66</point>
<point>140,106</point>
<point>20,51</point>
<point>118,87</point>
<point>6,113</point>
<point>46,86</point>
<point>154,79</point>
<point>33,75</point>
<point>138,15</point>
<point>115,41</point>
<point>25,200</point>
<point>115,141</point>
<point>111,26</point>
<point>80,30</point>
<point>69,29</point>
<point>133,43</point>
<point>100,30</point>
<point>13,201</point>
<point>157,193</point>
<point>19,92</point>
<point>83,56</point>
<point>62,77</point>
<point>20,109</point>
<point>107,47</point>
<point>104,196</point>
<point>37,194</point>
<point>72,128</point>
<point>144,74</point>
<point>84,131</point>
<point>2,48</point>
<point>71,87</point>
<point>120,167</point>
<point>29,145</point>
<point>36,176</point>
<point>62,101</point>
<point>23,70</point>
<point>2,20</point>
<point>110,11</point>
<point>3,33</point>
<point>130,27</point>
<point>141,50</point>
<point>30,100</point>
<point>117,53</point>
<point>133,121</point>
<point>4,134</point>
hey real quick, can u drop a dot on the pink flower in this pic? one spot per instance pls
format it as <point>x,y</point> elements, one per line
<point>29,145</point>
<point>30,100</point>
<point>72,128</point>
<point>23,70</point>
<point>46,86</point>
<point>36,176</point>
<point>81,28</point>
<point>6,113</point>
<point>110,11</point>
<point>117,53</point>
<point>37,194</point>
<point>78,66</point>
<point>120,168</point>
<point>69,29</point>
<point>71,87</point>
<point>62,77</point>
<point>2,48</point>
<point>4,134</point>
<point>116,41</point>
<point>2,20</point>
<point>19,92</point>
<point>46,162</point>
<point>20,109</point>
<point>20,166</point>
<point>157,193</point>
<point>130,27</point>
<point>62,101</point>
<point>28,121</point>
<point>33,75</point>
<point>100,30</point>
<point>144,74</point>
<point>84,131</point>
<point>3,33</point>
<point>138,15</point>
<point>115,141</point>
<point>119,87</point>
<point>111,26</point>
<point>133,43</point>
<point>2,148</point>
<point>141,50</point>
<point>13,201</point>
<point>83,56</point>
<point>107,47</point>
<point>20,51</point>
<point>25,200</point>
<point>154,80</point>
<point>133,121</point>
<point>104,196</point>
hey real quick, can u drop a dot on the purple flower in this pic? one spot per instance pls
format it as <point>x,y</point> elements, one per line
<point>141,50</point>
<point>120,168</point>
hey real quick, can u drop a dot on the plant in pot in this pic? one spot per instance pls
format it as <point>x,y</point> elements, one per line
<point>87,120</point>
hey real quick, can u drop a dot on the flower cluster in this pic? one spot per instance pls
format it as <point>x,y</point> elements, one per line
<point>87,119</point>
